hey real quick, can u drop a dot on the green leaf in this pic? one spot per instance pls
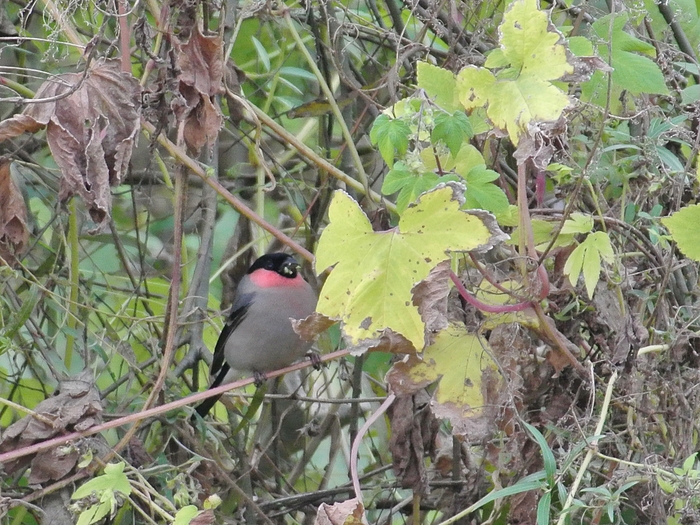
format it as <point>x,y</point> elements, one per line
<point>689,462</point>
<point>380,297</point>
<point>420,184</point>
<point>397,178</point>
<point>262,53</point>
<point>690,94</point>
<point>632,72</point>
<point>683,226</point>
<point>665,485</point>
<point>481,193</point>
<point>112,479</point>
<point>531,43</point>
<point>454,130</point>
<point>410,184</point>
<point>577,223</point>
<point>185,515</point>
<point>528,483</point>
<point>550,464</point>
<point>580,46</point>
<point>439,84</point>
<point>390,136</point>
<point>94,514</point>
<point>587,257</point>
<point>467,159</point>
<point>543,509</point>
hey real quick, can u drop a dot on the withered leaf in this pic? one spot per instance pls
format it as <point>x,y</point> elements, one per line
<point>200,62</point>
<point>349,512</point>
<point>541,141</point>
<point>388,341</point>
<point>13,218</point>
<point>91,130</point>
<point>312,326</point>
<point>430,296</point>
<point>75,406</point>
<point>413,432</point>
<point>206,517</point>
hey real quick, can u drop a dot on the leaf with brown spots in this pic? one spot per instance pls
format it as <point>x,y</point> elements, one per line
<point>469,385</point>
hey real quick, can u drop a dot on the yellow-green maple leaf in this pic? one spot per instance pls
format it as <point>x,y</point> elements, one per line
<point>468,379</point>
<point>369,288</point>
<point>532,54</point>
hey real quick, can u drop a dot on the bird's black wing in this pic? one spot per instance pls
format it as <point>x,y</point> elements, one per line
<point>219,366</point>
<point>238,312</point>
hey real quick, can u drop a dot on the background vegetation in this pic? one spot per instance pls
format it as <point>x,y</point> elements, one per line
<point>151,150</point>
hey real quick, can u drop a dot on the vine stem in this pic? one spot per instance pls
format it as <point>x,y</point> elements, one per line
<point>355,450</point>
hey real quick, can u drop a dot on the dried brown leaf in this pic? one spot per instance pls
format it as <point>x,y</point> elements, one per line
<point>624,331</point>
<point>91,130</point>
<point>234,79</point>
<point>349,512</point>
<point>206,517</point>
<point>19,124</point>
<point>430,296</point>
<point>312,326</point>
<point>200,63</point>
<point>13,218</point>
<point>541,141</point>
<point>584,67</point>
<point>75,406</point>
<point>413,432</point>
<point>389,341</point>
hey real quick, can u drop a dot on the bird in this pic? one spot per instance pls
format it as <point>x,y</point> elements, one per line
<point>258,336</point>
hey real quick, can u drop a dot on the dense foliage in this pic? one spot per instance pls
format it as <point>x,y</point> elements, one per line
<point>494,199</point>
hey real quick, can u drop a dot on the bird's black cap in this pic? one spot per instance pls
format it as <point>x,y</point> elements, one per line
<point>282,263</point>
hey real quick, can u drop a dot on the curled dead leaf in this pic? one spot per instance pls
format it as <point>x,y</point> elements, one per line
<point>76,406</point>
<point>13,218</point>
<point>92,121</point>
<point>388,341</point>
<point>350,512</point>
<point>312,326</point>
<point>206,517</point>
<point>541,141</point>
<point>200,63</point>
<point>430,296</point>
<point>414,429</point>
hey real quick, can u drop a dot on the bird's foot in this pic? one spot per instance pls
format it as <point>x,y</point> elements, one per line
<point>315,359</point>
<point>259,378</point>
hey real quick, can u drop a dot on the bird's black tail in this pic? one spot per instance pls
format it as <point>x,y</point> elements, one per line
<point>205,406</point>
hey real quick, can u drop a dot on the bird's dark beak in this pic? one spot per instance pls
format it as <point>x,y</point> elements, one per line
<point>291,268</point>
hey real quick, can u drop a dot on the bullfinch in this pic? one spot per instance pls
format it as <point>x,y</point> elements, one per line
<point>258,335</point>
